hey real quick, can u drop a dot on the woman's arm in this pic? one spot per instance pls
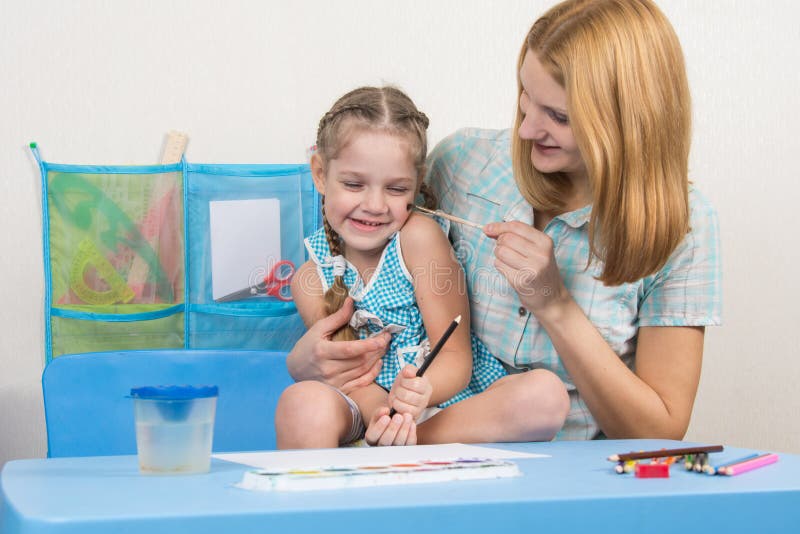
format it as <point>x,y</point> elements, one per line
<point>441,295</point>
<point>653,401</point>
<point>347,365</point>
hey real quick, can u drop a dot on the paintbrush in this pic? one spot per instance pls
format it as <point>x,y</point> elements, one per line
<point>447,216</point>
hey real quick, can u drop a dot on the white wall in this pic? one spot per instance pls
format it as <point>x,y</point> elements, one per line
<point>101,82</point>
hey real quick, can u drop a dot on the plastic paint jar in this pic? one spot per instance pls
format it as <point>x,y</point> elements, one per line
<point>174,428</point>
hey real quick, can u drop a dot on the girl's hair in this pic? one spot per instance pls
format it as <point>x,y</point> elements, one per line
<point>384,109</point>
<point>628,101</point>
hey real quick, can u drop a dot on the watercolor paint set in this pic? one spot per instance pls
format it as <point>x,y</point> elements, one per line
<point>337,477</point>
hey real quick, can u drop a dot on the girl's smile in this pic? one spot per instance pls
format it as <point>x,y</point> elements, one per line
<point>365,225</point>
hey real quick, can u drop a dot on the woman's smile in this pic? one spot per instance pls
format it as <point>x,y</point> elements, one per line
<point>546,149</point>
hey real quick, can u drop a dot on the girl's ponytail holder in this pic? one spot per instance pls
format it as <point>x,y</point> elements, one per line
<point>339,265</point>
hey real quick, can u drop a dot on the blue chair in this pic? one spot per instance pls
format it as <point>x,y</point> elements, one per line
<point>88,412</point>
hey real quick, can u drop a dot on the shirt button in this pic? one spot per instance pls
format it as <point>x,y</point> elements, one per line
<point>522,311</point>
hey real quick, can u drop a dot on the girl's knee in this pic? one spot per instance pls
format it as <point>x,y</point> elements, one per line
<point>303,401</point>
<point>546,403</point>
<point>549,391</point>
<point>306,416</point>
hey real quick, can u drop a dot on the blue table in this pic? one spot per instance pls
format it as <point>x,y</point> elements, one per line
<point>574,489</point>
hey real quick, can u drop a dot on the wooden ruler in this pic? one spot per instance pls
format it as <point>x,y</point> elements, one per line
<point>172,152</point>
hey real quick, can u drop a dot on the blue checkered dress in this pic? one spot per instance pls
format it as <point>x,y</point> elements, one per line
<point>471,173</point>
<point>389,294</point>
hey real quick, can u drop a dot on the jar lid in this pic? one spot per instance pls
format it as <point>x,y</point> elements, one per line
<point>184,392</point>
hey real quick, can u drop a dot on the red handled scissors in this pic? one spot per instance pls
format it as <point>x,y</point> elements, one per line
<point>275,284</point>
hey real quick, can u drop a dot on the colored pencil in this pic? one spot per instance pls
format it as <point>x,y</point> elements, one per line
<point>664,453</point>
<point>749,465</point>
<point>447,216</point>
<point>434,351</point>
<point>718,468</point>
<point>755,456</point>
<point>701,462</point>
<point>688,462</point>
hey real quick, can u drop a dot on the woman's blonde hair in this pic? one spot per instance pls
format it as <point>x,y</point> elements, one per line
<point>628,102</point>
<point>385,109</point>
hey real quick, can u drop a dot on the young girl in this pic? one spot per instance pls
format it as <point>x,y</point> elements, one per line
<point>401,272</point>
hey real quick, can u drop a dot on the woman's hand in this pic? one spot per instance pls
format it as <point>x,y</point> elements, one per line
<point>653,401</point>
<point>525,256</point>
<point>383,431</point>
<point>346,365</point>
<point>410,393</point>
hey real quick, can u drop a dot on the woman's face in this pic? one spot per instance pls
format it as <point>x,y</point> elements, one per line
<point>543,104</point>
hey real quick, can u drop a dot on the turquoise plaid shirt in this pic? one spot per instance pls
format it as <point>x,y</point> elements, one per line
<point>471,173</point>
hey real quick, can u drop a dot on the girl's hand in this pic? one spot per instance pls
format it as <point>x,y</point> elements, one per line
<point>384,431</point>
<point>410,393</point>
<point>525,256</point>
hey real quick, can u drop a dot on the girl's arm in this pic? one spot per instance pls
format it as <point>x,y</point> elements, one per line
<point>656,399</point>
<point>441,294</point>
<point>308,294</point>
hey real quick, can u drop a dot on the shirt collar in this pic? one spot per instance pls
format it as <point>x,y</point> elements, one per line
<point>505,193</point>
<point>578,217</point>
<point>515,208</point>
<point>520,211</point>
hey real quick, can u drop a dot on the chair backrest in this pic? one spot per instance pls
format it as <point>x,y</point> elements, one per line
<point>88,411</point>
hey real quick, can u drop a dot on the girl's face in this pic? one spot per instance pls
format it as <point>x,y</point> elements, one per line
<point>367,189</point>
<point>543,103</point>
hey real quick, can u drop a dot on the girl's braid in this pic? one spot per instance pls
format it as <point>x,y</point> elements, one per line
<point>338,292</point>
<point>334,241</point>
<point>329,116</point>
<point>419,117</point>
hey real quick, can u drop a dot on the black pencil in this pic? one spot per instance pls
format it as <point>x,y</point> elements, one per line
<point>434,351</point>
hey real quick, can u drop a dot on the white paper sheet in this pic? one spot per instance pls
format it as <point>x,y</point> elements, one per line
<point>245,242</point>
<point>358,456</point>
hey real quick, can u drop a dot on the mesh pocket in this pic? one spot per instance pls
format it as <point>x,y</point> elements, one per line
<point>214,331</point>
<point>115,238</point>
<point>74,335</point>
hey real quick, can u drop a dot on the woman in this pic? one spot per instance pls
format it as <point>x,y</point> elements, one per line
<point>605,269</point>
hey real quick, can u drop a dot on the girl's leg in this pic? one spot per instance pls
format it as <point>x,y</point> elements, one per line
<point>311,415</point>
<point>529,406</point>
<point>369,399</point>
